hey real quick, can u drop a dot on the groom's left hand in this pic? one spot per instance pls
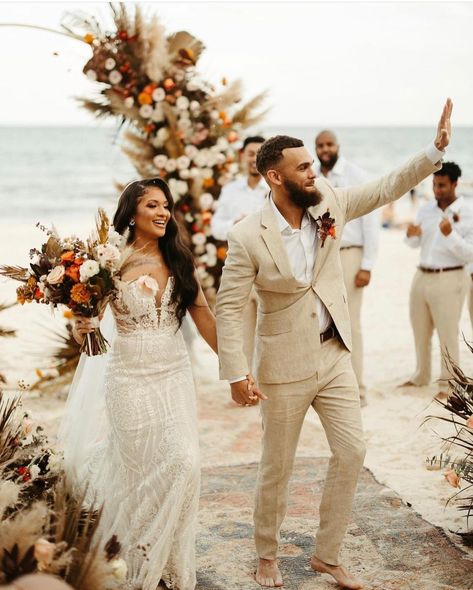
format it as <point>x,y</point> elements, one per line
<point>444,128</point>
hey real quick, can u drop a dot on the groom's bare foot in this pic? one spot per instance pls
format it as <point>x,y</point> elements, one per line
<point>268,574</point>
<point>338,572</point>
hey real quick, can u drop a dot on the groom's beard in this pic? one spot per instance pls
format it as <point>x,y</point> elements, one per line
<point>300,197</point>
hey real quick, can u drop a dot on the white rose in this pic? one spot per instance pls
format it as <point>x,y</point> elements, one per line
<point>182,103</point>
<point>199,238</point>
<point>184,124</point>
<point>160,161</point>
<point>214,115</point>
<point>110,63</point>
<point>34,471</point>
<point>156,142</point>
<point>194,172</point>
<point>89,269</point>
<point>206,201</point>
<point>201,158</point>
<point>158,94</point>
<point>194,105</point>
<point>220,159</point>
<point>129,102</point>
<point>146,111</point>
<point>115,77</point>
<point>115,239</point>
<point>222,143</point>
<point>107,254</point>
<point>92,75</point>
<point>182,187</point>
<point>183,162</point>
<point>179,76</point>
<point>119,568</point>
<point>191,151</point>
<point>233,168</point>
<point>207,172</point>
<point>189,218</point>
<point>171,165</point>
<point>163,134</point>
<point>193,85</point>
<point>157,115</point>
<point>56,275</point>
<point>211,249</point>
<point>184,174</point>
<point>54,463</point>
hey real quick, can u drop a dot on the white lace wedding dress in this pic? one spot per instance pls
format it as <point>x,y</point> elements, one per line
<point>148,471</point>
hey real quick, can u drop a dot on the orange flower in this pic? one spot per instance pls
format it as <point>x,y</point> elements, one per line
<point>68,256</point>
<point>73,272</point>
<point>144,98</point>
<point>79,261</point>
<point>150,127</point>
<point>206,217</point>
<point>222,115</point>
<point>20,296</point>
<point>332,232</point>
<point>452,477</point>
<point>169,84</point>
<point>208,182</point>
<point>232,136</point>
<point>222,252</point>
<point>68,314</point>
<point>150,88</point>
<point>89,38</point>
<point>80,293</point>
<point>38,294</point>
<point>224,81</point>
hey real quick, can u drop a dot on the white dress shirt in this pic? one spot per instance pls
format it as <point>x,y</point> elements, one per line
<point>236,200</point>
<point>437,250</point>
<point>300,245</point>
<point>363,231</point>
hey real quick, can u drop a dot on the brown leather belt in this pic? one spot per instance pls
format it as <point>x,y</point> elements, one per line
<point>348,247</point>
<point>423,269</point>
<point>330,332</point>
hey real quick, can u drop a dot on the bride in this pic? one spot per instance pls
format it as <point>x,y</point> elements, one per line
<point>141,459</point>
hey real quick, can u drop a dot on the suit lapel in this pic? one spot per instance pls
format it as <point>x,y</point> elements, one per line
<point>271,235</point>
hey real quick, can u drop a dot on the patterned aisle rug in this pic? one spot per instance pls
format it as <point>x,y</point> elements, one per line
<point>388,545</point>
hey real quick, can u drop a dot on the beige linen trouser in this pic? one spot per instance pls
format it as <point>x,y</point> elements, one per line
<point>333,393</point>
<point>436,301</point>
<point>351,264</point>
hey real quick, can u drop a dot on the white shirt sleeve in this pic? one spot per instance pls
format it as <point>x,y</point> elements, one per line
<point>462,247</point>
<point>370,225</point>
<point>433,153</point>
<point>222,220</point>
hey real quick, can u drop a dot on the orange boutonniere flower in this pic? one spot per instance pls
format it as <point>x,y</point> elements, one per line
<point>326,227</point>
<point>80,293</point>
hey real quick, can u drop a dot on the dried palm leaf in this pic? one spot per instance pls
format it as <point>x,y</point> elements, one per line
<point>86,23</point>
<point>245,115</point>
<point>153,48</point>
<point>124,21</point>
<point>228,97</point>
<point>184,40</point>
<point>17,273</point>
<point>102,224</point>
<point>5,306</point>
<point>10,429</point>
<point>98,107</point>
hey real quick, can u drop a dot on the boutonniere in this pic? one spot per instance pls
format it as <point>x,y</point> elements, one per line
<point>326,227</point>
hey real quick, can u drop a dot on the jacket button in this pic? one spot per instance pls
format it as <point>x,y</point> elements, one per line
<point>313,314</point>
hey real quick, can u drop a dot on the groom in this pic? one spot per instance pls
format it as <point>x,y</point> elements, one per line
<point>290,252</point>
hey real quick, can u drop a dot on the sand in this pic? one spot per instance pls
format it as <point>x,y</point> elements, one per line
<point>398,444</point>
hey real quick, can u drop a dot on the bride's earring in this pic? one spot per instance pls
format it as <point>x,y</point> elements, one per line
<point>132,223</point>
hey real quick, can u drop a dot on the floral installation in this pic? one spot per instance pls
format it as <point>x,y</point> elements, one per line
<point>178,125</point>
<point>43,527</point>
<point>325,227</point>
<point>458,471</point>
<point>74,273</point>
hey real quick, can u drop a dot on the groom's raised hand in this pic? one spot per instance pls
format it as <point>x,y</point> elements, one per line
<point>444,129</point>
<point>245,393</point>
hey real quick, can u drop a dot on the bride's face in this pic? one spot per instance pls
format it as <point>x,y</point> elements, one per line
<point>152,214</point>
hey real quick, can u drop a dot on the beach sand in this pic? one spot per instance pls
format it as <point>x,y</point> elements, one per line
<point>398,444</point>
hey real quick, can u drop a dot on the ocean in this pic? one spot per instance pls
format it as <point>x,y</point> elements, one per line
<point>48,174</point>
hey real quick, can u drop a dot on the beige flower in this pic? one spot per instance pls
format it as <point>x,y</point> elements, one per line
<point>147,285</point>
<point>119,568</point>
<point>44,552</point>
<point>56,275</point>
<point>452,477</point>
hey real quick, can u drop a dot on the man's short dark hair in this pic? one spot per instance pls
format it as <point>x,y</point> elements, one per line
<point>450,169</point>
<point>253,139</point>
<point>270,153</point>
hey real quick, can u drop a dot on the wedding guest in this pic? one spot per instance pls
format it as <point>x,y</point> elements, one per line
<point>359,242</point>
<point>444,233</point>
<point>240,198</point>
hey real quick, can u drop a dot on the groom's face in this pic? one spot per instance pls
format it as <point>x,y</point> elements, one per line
<point>296,171</point>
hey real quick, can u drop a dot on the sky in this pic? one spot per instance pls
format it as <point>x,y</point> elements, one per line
<point>324,64</point>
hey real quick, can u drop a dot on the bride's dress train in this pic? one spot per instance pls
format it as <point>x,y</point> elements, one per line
<point>148,470</point>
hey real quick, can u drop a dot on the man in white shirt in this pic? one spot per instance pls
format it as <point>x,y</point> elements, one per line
<point>444,232</point>
<point>359,242</point>
<point>240,198</point>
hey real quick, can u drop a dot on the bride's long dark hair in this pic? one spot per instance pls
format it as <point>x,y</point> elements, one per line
<point>176,254</point>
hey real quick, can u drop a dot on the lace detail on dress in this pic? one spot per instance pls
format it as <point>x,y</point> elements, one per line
<point>136,309</point>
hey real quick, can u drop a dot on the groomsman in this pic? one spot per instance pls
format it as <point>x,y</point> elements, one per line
<point>359,242</point>
<point>444,233</point>
<point>240,198</point>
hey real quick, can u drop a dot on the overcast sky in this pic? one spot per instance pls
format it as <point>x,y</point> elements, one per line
<point>329,64</point>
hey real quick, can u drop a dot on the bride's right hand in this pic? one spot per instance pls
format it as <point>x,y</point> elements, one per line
<point>82,327</point>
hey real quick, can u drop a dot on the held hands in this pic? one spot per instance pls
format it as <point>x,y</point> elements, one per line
<point>245,393</point>
<point>413,230</point>
<point>444,129</point>
<point>362,278</point>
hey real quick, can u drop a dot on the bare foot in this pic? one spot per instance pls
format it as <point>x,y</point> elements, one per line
<point>268,574</point>
<point>338,572</point>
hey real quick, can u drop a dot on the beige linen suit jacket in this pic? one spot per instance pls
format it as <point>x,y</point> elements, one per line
<point>287,334</point>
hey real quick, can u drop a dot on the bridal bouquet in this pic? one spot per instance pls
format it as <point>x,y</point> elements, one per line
<point>77,274</point>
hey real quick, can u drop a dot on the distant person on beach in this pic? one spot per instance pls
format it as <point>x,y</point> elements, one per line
<point>443,230</point>
<point>238,199</point>
<point>358,243</point>
<point>289,252</point>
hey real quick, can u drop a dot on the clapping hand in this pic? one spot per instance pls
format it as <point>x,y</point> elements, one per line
<point>444,129</point>
<point>413,230</point>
